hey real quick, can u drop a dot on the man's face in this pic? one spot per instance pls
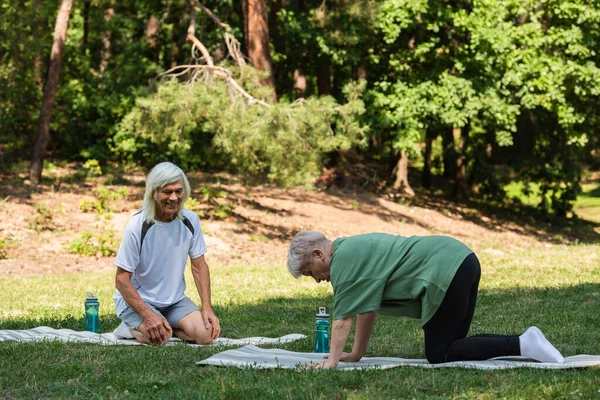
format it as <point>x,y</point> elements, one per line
<point>169,200</point>
<point>317,268</point>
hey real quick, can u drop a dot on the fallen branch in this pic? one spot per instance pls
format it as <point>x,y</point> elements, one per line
<point>219,72</point>
<point>232,43</point>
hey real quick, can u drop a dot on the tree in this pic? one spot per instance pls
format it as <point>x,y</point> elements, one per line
<point>257,40</point>
<point>56,56</point>
<point>211,114</point>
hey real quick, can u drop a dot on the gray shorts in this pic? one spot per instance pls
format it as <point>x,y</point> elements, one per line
<point>173,313</point>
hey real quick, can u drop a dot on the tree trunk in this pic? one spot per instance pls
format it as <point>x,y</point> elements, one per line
<point>449,153</point>
<point>426,177</point>
<point>106,42</point>
<point>299,83</point>
<point>460,182</point>
<point>86,24</point>
<point>152,31</point>
<point>401,184</point>
<point>38,31</point>
<point>56,55</point>
<point>277,39</point>
<point>257,39</point>
<point>324,78</point>
<point>360,73</point>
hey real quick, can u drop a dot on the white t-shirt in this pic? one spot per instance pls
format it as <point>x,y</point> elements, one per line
<point>158,269</point>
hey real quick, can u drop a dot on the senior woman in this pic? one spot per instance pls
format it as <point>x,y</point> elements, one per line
<point>434,278</point>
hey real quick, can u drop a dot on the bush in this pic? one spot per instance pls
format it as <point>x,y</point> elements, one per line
<point>5,245</point>
<point>95,244</point>
<point>284,143</point>
<point>42,219</point>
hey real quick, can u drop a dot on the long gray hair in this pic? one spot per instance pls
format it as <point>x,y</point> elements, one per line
<point>300,250</point>
<point>161,175</point>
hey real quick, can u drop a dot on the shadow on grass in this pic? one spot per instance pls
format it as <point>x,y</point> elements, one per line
<point>72,178</point>
<point>492,215</point>
<point>567,315</point>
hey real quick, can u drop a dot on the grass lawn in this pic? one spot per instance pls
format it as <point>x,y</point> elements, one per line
<point>588,202</point>
<point>557,288</point>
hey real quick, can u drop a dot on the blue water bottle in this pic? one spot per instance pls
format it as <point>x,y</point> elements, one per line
<point>91,322</point>
<point>322,327</point>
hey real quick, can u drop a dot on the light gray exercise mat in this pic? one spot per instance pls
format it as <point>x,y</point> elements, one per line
<point>254,357</point>
<point>44,333</point>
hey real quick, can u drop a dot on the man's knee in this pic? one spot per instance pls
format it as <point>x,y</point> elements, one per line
<point>199,334</point>
<point>193,327</point>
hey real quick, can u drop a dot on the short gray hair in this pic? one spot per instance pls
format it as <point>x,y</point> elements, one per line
<point>300,250</point>
<point>161,175</point>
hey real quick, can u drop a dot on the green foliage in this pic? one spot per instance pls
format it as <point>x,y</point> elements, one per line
<point>42,219</point>
<point>209,192</point>
<point>92,168</point>
<point>286,143</point>
<point>105,197</point>
<point>518,75</point>
<point>222,209</point>
<point>6,244</point>
<point>95,244</point>
<point>522,76</point>
<point>192,204</point>
<point>325,36</point>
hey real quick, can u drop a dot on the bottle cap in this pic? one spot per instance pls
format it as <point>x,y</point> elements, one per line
<point>322,313</point>
<point>90,297</point>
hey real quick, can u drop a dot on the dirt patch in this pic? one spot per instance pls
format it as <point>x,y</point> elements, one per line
<point>260,223</point>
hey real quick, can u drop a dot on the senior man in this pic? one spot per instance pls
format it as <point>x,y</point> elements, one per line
<point>434,278</point>
<point>150,286</point>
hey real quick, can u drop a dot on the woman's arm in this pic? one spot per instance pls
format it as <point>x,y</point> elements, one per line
<point>364,329</point>
<point>339,336</point>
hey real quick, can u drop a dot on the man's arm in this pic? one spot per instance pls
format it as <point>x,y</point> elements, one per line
<point>153,325</point>
<point>201,276</point>
<point>364,329</point>
<point>339,336</point>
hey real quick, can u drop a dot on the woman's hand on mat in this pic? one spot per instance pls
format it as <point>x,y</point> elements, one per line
<point>320,365</point>
<point>210,319</point>
<point>346,357</point>
<point>159,330</point>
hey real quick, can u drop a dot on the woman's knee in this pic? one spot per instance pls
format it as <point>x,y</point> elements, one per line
<point>436,356</point>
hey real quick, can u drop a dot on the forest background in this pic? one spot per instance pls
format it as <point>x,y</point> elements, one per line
<point>497,100</point>
<point>473,119</point>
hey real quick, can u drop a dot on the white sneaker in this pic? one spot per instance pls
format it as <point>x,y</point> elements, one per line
<point>122,332</point>
<point>534,345</point>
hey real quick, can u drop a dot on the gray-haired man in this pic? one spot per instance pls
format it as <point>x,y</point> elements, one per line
<point>156,244</point>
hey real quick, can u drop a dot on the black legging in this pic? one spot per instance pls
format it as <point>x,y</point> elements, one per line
<point>446,332</point>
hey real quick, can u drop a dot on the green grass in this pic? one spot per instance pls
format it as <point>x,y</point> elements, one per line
<point>556,288</point>
<point>588,202</point>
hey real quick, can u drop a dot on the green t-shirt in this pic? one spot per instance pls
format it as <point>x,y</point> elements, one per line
<point>393,275</point>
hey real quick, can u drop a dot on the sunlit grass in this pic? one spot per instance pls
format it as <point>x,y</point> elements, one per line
<point>556,288</point>
<point>588,202</point>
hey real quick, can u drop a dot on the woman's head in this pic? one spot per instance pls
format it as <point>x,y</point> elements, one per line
<point>304,247</point>
<point>161,175</point>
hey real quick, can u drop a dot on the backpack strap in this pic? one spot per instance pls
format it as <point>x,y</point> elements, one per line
<point>147,225</point>
<point>187,223</point>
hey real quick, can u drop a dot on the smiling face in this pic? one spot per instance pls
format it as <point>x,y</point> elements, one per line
<point>317,267</point>
<point>168,201</point>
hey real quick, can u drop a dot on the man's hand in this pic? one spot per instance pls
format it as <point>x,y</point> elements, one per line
<point>210,319</point>
<point>327,364</point>
<point>347,357</point>
<point>156,328</point>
